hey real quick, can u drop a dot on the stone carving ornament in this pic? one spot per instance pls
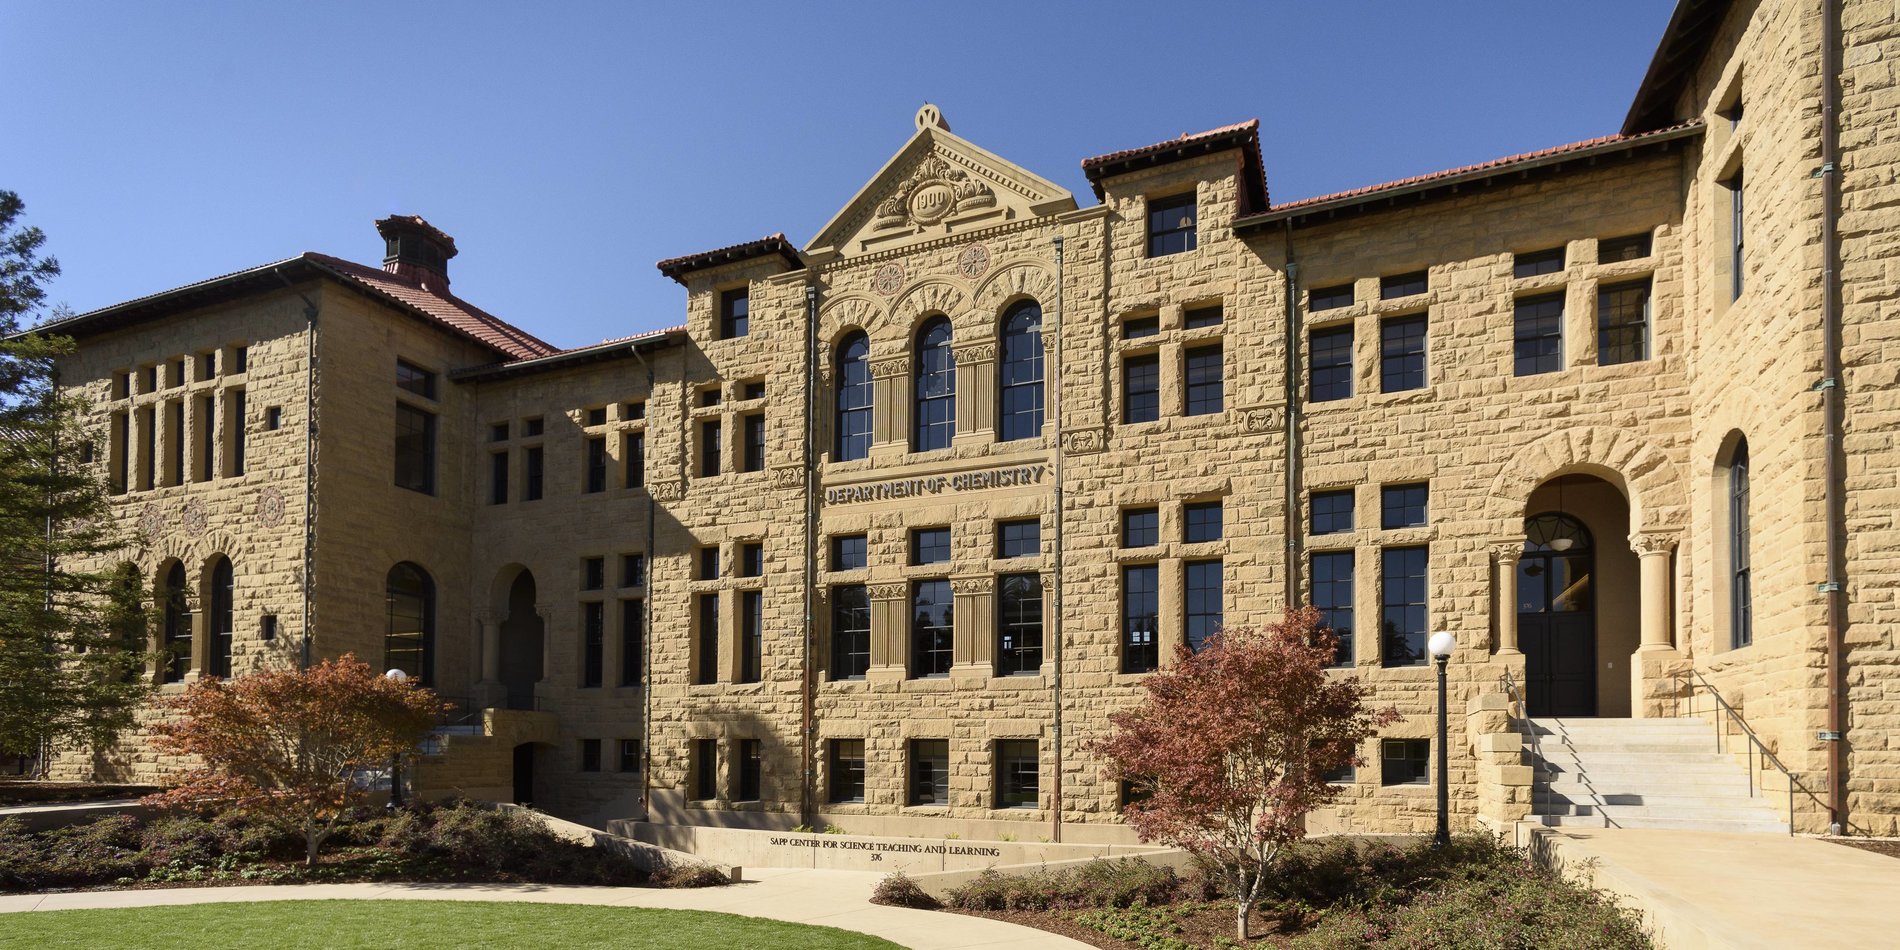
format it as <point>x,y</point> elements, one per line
<point>973,261</point>
<point>888,279</point>
<point>192,519</point>
<point>1260,418</point>
<point>1084,441</point>
<point>151,522</point>
<point>270,507</point>
<point>934,191</point>
<point>887,591</point>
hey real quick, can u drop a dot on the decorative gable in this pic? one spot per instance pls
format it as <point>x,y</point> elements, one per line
<point>938,184</point>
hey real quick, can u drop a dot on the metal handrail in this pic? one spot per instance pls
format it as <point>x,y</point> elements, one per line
<point>1687,682</point>
<point>1515,694</point>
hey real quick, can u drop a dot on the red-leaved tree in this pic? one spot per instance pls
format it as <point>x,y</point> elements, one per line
<point>1230,749</point>
<point>289,746</point>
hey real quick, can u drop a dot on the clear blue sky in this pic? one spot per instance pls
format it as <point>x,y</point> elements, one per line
<point>568,147</point>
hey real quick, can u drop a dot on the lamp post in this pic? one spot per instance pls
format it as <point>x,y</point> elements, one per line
<point>395,759</point>
<point>1442,643</point>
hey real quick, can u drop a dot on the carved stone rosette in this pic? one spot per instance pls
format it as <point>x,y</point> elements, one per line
<point>972,261</point>
<point>270,508</point>
<point>151,522</point>
<point>191,519</point>
<point>888,279</point>
<point>1260,418</point>
<point>1084,441</point>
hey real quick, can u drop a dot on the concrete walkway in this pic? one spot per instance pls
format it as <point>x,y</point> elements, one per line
<point>802,896</point>
<point>1710,890</point>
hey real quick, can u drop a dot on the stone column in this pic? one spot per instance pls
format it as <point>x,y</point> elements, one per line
<point>544,611</point>
<point>890,630</point>
<point>1653,552</point>
<point>488,690</point>
<point>1507,551</point>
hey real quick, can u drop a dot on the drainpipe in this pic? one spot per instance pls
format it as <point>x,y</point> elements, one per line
<point>807,766</point>
<point>1832,414</point>
<point>646,631</point>
<point>310,312</point>
<point>1295,525</point>
<point>1055,412</point>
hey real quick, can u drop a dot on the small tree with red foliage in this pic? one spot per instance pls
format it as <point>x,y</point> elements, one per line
<point>289,745</point>
<point>1230,749</point>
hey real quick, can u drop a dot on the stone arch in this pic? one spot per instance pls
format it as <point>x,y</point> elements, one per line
<point>1657,497</point>
<point>846,312</point>
<point>502,585</point>
<point>1013,281</point>
<point>929,296</point>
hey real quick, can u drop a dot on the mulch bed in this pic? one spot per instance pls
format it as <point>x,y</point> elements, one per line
<point>28,792</point>
<point>1202,928</point>
<point>1889,846</point>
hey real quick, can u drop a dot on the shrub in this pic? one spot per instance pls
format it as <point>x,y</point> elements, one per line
<point>1099,883</point>
<point>691,875</point>
<point>898,890</point>
<point>77,855</point>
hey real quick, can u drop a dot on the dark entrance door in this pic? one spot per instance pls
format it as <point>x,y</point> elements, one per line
<point>1556,617</point>
<point>524,773</point>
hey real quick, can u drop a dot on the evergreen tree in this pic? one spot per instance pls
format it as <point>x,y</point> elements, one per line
<point>73,639</point>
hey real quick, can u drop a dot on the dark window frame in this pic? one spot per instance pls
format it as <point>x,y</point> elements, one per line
<point>1180,236</point>
<point>933,422</point>
<point>855,398</point>
<point>1203,600</point>
<point>1140,615</point>
<point>1537,334</point>
<point>1333,575</point>
<point>932,629</point>
<point>1203,378</point>
<point>1550,260</point>
<point>1019,624</point>
<point>1141,388</point>
<point>735,313</point>
<point>1326,516</point>
<point>1019,374</point>
<point>1403,360</point>
<point>1623,329</point>
<point>1329,373</point>
<point>1404,605</point>
<point>850,632</point>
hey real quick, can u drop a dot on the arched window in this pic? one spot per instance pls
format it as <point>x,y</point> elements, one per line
<point>934,416</point>
<point>177,626</point>
<point>1019,375</point>
<point>853,440</point>
<point>1741,598</point>
<point>409,635</point>
<point>223,603</point>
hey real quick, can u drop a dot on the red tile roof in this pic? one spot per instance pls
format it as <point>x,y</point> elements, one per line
<point>605,349</point>
<point>447,309</point>
<point>678,267</point>
<point>1480,170</point>
<point>1242,135</point>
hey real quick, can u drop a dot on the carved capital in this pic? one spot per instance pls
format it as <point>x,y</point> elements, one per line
<point>970,585</point>
<point>1648,545</point>
<point>1084,441</point>
<point>1507,550</point>
<point>975,353</point>
<point>888,591</point>
<point>1260,418</point>
<point>890,367</point>
<point>544,611</point>
<point>490,618</point>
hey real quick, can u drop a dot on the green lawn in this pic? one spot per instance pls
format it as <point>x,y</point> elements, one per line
<point>412,925</point>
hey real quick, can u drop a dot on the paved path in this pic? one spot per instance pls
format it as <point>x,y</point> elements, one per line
<point>1703,889</point>
<point>802,896</point>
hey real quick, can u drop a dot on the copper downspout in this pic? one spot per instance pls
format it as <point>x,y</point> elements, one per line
<point>807,808</point>
<point>1055,412</point>
<point>1832,414</point>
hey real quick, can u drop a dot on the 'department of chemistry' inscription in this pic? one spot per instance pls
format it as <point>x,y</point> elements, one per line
<point>1011,477</point>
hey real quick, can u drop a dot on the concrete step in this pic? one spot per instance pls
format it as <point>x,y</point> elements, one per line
<point>1593,724</point>
<point>1745,810</point>
<point>1631,744</point>
<point>1638,762</point>
<point>1666,797</point>
<point>1673,824</point>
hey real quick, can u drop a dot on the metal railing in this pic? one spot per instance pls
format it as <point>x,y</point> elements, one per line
<point>1687,683</point>
<point>462,711</point>
<point>1521,714</point>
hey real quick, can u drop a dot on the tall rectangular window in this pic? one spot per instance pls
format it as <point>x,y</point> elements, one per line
<point>1141,527</point>
<point>1141,388</point>
<point>1405,761</point>
<point>175,442</point>
<point>846,765</point>
<point>929,772</point>
<point>932,633</point>
<point>1021,538</point>
<point>531,473</point>
<point>1534,263</point>
<point>633,570</point>
<point>709,562</point>
<point>705,769</point>
<point>1538,334</point>
<point>1171,225</point>
<point>1404,506</point>
<point>238,359</point>
<point>1018,774</point>
<point>1402,608</point>
<point>629,755</point>
<point>751,636</point>
<point>849,552</point>
<point>752,559</point>
<point>498,478</point>
<point>930,546</point>
<point>1141,604</point>
<point>121,426</point>
<point>593,573</point>
<point>415,449</point>
<point>633,455</point>
<point>751,768</point>
<point>735,313</point>
<point>593,643</point>
<point>148,446</point>
<point>1623,323</point>
<point>632,641</point>
<point>1202,377</point>
<point>1329,353</point>
<point>590,755</point>
<point>752,456</point>
<point>1402,285</point>
<point>234,429</point>
<point>707,670</point>
<point>709,448</point>
<point>204,424</point>
<point>1332,596</point>
<point>850,632</point>
<point>1203,594</point>
<point>1332,511</point>
<point>1737,229</point>
<point>1201,521</point>
<point>1019,625</point>
<point>596,465</point>
<point>411,378</point>
<point>1402,354</point>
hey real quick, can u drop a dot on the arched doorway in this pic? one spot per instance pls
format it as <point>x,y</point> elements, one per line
<point>521,643</point>
<point>1556,616</point>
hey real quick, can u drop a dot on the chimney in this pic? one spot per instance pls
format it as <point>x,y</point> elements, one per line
<point>417,250</point>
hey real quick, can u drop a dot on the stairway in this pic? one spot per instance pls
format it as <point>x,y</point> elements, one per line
<point>1640,773</point>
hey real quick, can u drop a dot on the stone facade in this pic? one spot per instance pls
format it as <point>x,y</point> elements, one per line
<point>608,529</point>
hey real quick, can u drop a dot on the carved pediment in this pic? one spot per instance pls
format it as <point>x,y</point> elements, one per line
<point>937,184</point>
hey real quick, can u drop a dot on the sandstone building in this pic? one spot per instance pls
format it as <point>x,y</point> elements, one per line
<point>881,533</point>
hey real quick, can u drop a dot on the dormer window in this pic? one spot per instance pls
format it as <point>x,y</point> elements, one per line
<point>1171,225</point>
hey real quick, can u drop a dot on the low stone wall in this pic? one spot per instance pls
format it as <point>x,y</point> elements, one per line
<point>645,856</point>
<point>62,814</point>
<point>913,856</point>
